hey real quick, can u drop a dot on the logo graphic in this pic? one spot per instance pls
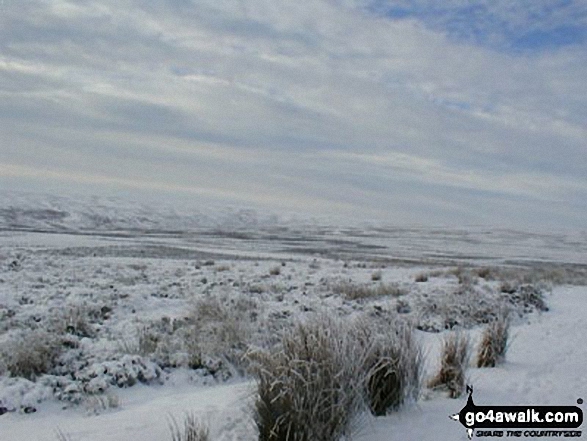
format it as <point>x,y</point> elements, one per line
<point>554,418</point>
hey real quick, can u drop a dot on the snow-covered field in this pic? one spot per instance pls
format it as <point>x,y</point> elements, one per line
<point>138,315</point>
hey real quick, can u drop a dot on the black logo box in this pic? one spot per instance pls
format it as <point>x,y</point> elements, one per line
<point>527,411</point>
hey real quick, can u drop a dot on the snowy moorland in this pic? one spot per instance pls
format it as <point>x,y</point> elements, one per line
<point>116,322</point>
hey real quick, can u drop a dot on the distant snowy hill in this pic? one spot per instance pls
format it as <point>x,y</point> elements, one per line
<point>247,229</point>
<point>58,213</point>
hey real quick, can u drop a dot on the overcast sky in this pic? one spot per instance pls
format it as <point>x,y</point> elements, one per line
<point>408,111</point>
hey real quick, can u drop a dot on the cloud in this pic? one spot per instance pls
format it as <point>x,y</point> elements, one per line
<point>344,107</point>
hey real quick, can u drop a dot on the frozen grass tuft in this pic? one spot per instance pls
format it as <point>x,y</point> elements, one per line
<point>533,296</point>
<point>494,342</point>
<point>376,276</point>
<point>77,320</point>
<point>30,354</point>
<point>453,364</point>
<point>466,307</point>
<point>224,323</point>
<point>213,335</point>
<point>421,277</point>
<point>96,404</point>
<point>326,372</point>
<point>191,430</point>
<point>549,274</point>
<point>275,271</point>
<point>393,368</point>
<point>308,389</point>
<point>217,328</point>
<point>353,291</point>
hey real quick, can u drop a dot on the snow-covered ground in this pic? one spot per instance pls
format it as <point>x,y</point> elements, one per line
<point>120,295</point>
<point>545,366</point>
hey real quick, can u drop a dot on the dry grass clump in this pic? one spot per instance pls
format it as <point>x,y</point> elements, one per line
<point>96,404</point>
<point>145,343</point>
<point>422,277</point>
<point>215,332</point>
<point>453,364</point>
<point>507,287</point>
<point>31,353</point>
<point>191,430</point>
<point>527,297</point>
<point>256,288</point>
<point>78,320</point>
<point>555,274</point>
<point>533,296</point>
<point>275,271</point>
<point>226,319</point>
<point>494,342</point>
<point>483,272</point>
<point>325,372</point>
<point>466,306</point>
<point>465,276</point>
<point>376,276</point>
<point>148,341</point>
<point>393,368</point>
<point>308,390</point>
<point>220,327</point>
<point>353,291</point>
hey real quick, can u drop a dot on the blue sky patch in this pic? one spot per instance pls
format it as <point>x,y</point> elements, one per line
<point>522,26</point>
<point>561,36</point>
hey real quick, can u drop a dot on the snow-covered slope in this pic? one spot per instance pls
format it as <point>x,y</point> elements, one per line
<point>545,366</point>
<point>246,229</point>
<point>31,211</point>
<point>124,268</point>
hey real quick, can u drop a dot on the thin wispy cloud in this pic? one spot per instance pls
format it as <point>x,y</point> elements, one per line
<point>403,111</point>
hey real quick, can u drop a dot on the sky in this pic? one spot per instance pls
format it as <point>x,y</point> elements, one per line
<point>410,112</point>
